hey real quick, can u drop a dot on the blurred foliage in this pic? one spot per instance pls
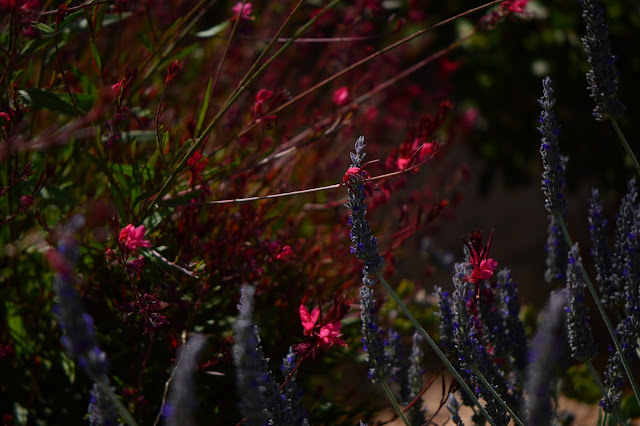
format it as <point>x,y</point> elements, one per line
<point>500,74</point>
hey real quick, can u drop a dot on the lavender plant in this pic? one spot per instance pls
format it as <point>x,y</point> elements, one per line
<point>546,356</point>
<point>78,329</point>
<point>181,405</point>
<point>261,399</point>
<point>603,76</point>
<point>581,340</point>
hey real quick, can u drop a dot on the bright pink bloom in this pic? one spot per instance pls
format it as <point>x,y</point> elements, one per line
<point>341,96</point>
<point>309,320</point>
<point>132,237</point>
<point>330,334</point>
<point>244,11</point>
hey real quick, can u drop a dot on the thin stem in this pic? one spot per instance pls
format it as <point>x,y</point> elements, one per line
<point>497,396</point>
<point>288,194</point>
<point>625,144</point>
<point>596,379</point>
<point>435,348</point>
<point>392,398</point>
<point>603,314</point>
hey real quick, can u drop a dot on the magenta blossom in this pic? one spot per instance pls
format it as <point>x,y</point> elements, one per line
<point>133,238</point>
<point>243,11</point>
<point>341,96</point>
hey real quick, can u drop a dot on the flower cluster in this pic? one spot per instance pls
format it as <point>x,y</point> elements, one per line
<point>327,334</point>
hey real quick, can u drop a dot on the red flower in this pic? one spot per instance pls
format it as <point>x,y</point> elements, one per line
<point>483,266</point>
<point>132,237</point>
<point>341,96</point>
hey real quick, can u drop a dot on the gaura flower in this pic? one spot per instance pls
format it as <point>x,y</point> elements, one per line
<point>483,265</point>
<point>133,238</point>
<point>309,319</point>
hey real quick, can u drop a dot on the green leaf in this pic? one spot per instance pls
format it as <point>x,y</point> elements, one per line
<point>68,366</point>
<point>213,31</point>
<point>44,99</point>
<point>96,55</point>
<point>44,28</point>
<point>17,330</point>
<point>141,136</point>
<point>205,106</point>
<point>84,101</point>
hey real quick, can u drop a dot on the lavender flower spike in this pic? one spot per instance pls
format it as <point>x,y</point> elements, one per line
<point>554,164</point>
<point>79,336</point>
<point>179,408</point>
<point>101,411</point>
<point>603,76</point>
<point>583,347</point>
<point>556,249</point>
<point>365,245</point>
<point>546,354</point>
<point>374,343</point>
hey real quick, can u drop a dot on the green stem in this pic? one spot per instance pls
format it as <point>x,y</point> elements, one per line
<point>596,379</point>
<point>435,348</point>
<point>625,144</point>
<point>392,398</point>
<point>603,314</point>
<point>497,396</point>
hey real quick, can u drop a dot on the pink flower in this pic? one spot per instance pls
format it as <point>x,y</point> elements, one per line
<point>117,88</point>
<point>285,253</point>
<point>341,96</point>
<point>309,320</point>
<point>483,266</point>
<point>243,11</point>
<point>132,237</point>
<point>514,6</point>
<point>330,334</point>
